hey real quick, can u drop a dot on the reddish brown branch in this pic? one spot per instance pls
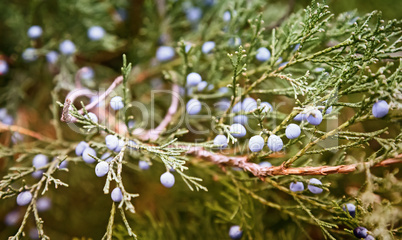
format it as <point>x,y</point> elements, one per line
<point>24,131</point>
<point>258,171</point>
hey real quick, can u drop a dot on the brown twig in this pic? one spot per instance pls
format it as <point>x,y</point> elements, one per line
<point>15,128</point>
<point>258,171</point>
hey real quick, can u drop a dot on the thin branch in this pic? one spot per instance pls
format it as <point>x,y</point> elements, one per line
<point>15,128</point>
<point>258,171</point>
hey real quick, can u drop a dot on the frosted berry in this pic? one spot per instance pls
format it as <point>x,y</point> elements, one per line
<point>24,198</point>
<point>193,14</point>
<point>237,130</point>
<point>30,54</point>
<point>380,109</point>
<point>86,155</point>
<point>263,54</point>
<point>300,117</point>
<point>165,53</point>
<point>120,145</point>
<point>40,160</point>
<point>3,67</point>
<point>314,189</point>
<point>275,143</point>
<point>87,73</point>
<point>296,186</point>
<point>96,33</point>
<point>351,208</point>
<point>63,164</point>
<point>234,42</point>
<point>43,204</point>
<point>242,119</point>
<point>107,156</point>
<point>193,79</point>
<point>207,47</point>
<point>201,86</point>
<point>34,32</point>
<point>360,232</point>
<point>237,107</point>
<point>266,107</point>
<point>101,169</point>
<point>92,117</point>
<point>67,47</point>
<point>52,57</point>
<point>167,179</point>
<point>116,195</point>
<point>265,164</point>
<point>226,16</point>
<point>249,104</point>
<point>292,131</point>
<point>144,165</point>
<point>314,117</point>
<point>193,107</point>
<point>369,237</point>
<point>116,103</point>
<point>223,104</point>
<point>12,218</point>
<point>111,142</point>
<point>79,149</point>
<point>221,141</point>
<point>235,232</point>
<point>256,143</point>
<point>37,174</point>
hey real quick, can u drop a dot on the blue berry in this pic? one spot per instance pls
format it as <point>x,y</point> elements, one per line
<point>144,165</point>
<point>107,156</point>
<point>30,54</point>
<point>256,143</point>
<point>237,107</point>
<point>87,73</point>
<point>263,54</point>
<point>79,149</point>
<point>111,142</point>
<point>221,141</point>
<point>235,232</point>
<point>242,119</point>
<point>116,103</point>
<point>120,145</point>
<point>167,179</point>
<point>34,32</point>
<point>266,107</point>
<point>193,79</point>
<point>207,47</point>
<point>3,67</point>
<point>8,120</point>
<point>67,47</point>
<point>296,47</point>
<point>265,164</point>
<point>63,164</point>
<point>275,143</point>
<point>12,218</point>
<point>193,107</point>
<point>249,104</point>
<point>188,47</point>
<point>164,53</point>
<point>237,130</point>
<point>132,144</point>
<point>223,104</point>
<point>329,110</point>
<point>52,57</point>
<point>116,195</point>
<point>296,186</point>
<point>39,161</point>
<point>96,33</point>
<point>360,232</point>
<point>292,131</point>
<point>43,204</point>
<point>283,64</point>
<point>201,86</point>
<point>351,208</point>
<point>193,14</point>
<point>86,157</point>
<point>37,174</point>
<point>101,169</point>
<point>314,189</point>
<point>227,16</point>
<point>300,117</point>
<point>314,117</point>
<point>223,90</point>
<point>92,117</point>
<point>24,198</point>
<point>380,109</point>
<point>369,237</point>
